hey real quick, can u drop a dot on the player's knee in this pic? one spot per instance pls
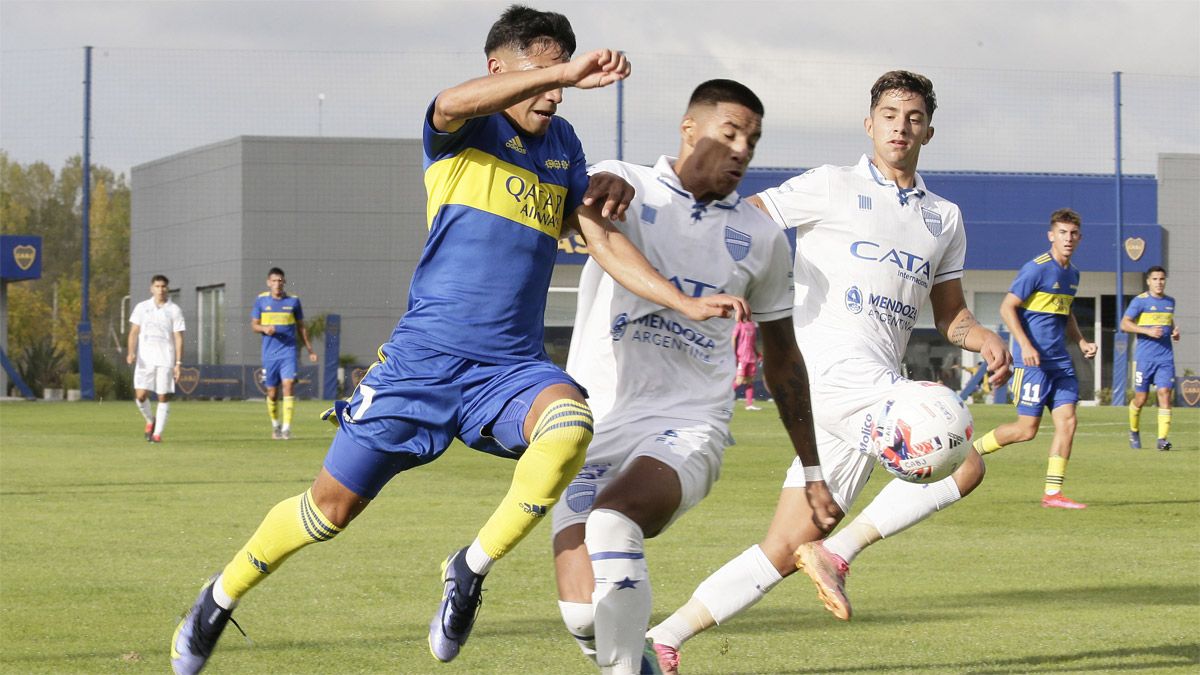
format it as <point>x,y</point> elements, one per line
<point>563,432</point>
<point>969,476</point>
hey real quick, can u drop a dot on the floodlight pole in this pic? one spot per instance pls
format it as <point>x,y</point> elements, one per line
<point>1120,362</point>
<point>86,381</point>
<point>620,120</point>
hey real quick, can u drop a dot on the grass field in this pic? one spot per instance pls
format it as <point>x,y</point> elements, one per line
<point>105,540</point>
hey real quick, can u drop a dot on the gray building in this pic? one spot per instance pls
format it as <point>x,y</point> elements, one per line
<point>1179,215</point>
<point>344,218</point>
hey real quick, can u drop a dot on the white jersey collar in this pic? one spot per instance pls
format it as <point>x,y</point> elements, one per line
<point>665,168</point>
<point>866,169</point>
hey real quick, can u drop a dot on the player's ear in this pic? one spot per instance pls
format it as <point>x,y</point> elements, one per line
<point>495,65</point>
<point>928,136</point>
<point>687,130</point>
<point>868,126</point>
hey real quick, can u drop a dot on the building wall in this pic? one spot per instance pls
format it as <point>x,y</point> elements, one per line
<point>344,218</point>
<point>186,223</point>
<point>1179,213</point>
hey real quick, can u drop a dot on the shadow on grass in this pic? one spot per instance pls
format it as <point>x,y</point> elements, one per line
<point>1106,660</point>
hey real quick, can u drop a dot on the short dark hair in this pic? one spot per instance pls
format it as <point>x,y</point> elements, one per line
<point>904,80</point>
<point>726,91</point>
<point>1156,268</point>
<point>160,277</point>
<point>1065,216</point>
<point>275,270</point>
<point>521,27</point>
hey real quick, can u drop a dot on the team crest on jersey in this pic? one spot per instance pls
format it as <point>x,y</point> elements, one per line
<point>933,221</point>
<point>854,300</point>
<point>649,214</point>
<point>737,243</point>
<point>618,326</point>
<point>515,145</point>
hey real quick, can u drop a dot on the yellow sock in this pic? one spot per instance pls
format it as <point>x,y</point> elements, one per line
<point>1164,422</point>
<point>290,526</point>
<point>554,456</point>
<point>272,410</point>
<point>1056,469</point>
<point>987,443</point>
<point>289,405</point>
<point>1135,418</point>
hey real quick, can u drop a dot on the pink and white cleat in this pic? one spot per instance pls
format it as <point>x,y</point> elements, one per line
<point>1060,501</point>
<point>668,658</point>
<point>828,573</point>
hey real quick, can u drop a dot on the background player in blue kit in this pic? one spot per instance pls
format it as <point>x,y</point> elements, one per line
<point>505,178</point>
<point>1037,310</point>
<point>1151,317</point>
<point>280,318</point>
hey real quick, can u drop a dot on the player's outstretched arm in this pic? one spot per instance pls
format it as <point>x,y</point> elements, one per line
<point>961,329</point>
<point>621,259</point>
<point>500,90</point>
<point>787,378</point>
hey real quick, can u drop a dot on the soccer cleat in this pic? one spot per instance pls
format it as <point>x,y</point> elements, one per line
<point>668,658</point>
<point>828,573</point>
<point>285,434</point>
<point>156,438</point>
<point>1164,444</point>
<point>455,617</point>
<point>1060,501</point>
<point>196,635</point>
<point>276,434</point>
<point>753,407</point>
<point>1135,440</point>
<point>149,430</point>
<point>649,665</point>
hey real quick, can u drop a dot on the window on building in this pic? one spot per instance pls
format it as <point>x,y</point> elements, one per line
<point>211,319</point>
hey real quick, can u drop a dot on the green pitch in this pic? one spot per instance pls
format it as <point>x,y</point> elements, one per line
<point>105,540</point>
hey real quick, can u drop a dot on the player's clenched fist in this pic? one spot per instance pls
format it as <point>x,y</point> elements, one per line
<point>597,69</point>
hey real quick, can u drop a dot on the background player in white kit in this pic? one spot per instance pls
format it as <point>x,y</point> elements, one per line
<point>872,244</point>
<point>156,346</point>
<point>659,382</point>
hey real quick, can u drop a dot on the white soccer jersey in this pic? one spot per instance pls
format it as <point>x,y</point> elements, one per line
<point>638,359</point>
<point>156,339</point>
<point>867,254</point>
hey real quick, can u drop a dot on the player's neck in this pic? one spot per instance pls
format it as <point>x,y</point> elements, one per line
<point>278,297</point>
<point>693,181</point>
<point>904,177</point>
<point>159,303</point>
<point>1062,260</point>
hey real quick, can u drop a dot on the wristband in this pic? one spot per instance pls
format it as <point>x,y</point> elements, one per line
<point>179,363</point>
<point>813,474</point>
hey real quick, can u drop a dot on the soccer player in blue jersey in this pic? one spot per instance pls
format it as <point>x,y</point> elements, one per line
<point>505,178</point>
<point>1151,317</point>
<point>280,318</point>
<point>1037,311</point>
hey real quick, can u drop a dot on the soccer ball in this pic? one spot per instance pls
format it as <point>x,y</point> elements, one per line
<point>922,433</point>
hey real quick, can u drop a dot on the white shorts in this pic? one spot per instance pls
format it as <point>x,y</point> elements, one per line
<point>693,449</point>
<point>845,398</point>
<point>158,379</point>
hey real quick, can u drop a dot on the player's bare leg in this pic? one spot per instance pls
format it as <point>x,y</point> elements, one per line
<point>1025,428</point>
<point>1060,453</point>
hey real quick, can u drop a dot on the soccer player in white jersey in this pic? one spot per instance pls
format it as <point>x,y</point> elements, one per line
<point>156,347</point>
<point>872,245</point>
<point>658,382</point>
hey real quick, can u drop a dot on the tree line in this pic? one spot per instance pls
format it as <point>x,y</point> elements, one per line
<point>43,314</point>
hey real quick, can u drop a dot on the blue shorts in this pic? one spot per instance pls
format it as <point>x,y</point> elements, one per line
<point>279,368</point>
<point>413,403</point>
<point>1159,373</point>
<point>1034,389</point>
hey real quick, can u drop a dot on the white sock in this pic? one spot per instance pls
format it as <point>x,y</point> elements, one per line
<point>160,417</point>
<point>852,538</point>
<point>580,620</point>
<point>737,586</point>
<point>900,505</point>
<point>622,598</point>
<point>479,562</point>
<point>221,596</point>
<point>144,408</point>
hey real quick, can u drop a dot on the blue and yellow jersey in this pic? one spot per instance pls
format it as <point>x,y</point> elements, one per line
<point>282,313</point>
<point>1046,290</point>
<point>1147,310</point>
<point>496,204</point>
